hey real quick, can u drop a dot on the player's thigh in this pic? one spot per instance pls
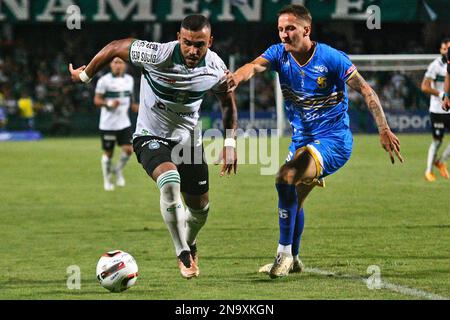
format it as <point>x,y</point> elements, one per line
<point>108,139</point>
<point>194,179</point>
<point>447,122</point>
<point>302,168</point>
<point>125,140</point>
<point>439,122</point>
<point>154,154</point>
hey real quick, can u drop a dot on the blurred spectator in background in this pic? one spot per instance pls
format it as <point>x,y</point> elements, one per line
<point>25,105</point>
<point>3,115</point>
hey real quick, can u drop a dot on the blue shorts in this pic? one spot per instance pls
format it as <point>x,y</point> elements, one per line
<point>330,151</point>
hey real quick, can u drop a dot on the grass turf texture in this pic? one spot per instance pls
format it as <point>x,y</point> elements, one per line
<point>54,213</point>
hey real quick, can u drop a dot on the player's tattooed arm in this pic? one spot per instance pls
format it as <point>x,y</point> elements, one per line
<point>358,83</point>
<point>116,48</point>
<point>247,71</point>
<point>388,139</point>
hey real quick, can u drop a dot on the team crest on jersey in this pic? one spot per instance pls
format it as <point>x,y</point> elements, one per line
<point>322,82</point>
<point>181,96</point>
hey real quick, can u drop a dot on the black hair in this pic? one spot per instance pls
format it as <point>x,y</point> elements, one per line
<point>195,22</point>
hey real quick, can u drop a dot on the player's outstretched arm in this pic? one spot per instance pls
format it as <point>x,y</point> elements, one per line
<point>229,117</point>
<point>446,103</point>
<point>117,48</point>
<point>388,139</point>
<point>247,71</point>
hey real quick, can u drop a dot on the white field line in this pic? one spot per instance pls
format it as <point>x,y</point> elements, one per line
<point>383,285</point>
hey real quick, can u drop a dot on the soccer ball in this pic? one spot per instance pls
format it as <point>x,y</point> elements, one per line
<point>117,271</point>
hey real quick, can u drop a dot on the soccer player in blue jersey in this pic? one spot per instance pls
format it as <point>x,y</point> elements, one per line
<point>313,78</point>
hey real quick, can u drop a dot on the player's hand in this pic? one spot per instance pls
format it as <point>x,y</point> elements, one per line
<point>113,104</point>
<point>228,156</point>
<point>75,73</point>
<point>391,144</point>
<point>232,80</point>
<point>446,104</point>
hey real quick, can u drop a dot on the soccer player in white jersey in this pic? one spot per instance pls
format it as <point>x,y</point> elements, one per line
<point>433,84</point>
<point>113,94</point>
<point>175,76</point>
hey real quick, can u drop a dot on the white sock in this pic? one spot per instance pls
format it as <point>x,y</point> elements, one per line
<point>284,249</point>
<point>172,208</point>
<point>432,152</point>
<point>124,157</point>
<point>195,219</point>
<point>106,167</point>
<point>446,154</point>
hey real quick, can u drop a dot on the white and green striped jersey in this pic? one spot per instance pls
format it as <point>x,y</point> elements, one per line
<point>436,72</point>
<point>115,88</point>
<point>171,93</point>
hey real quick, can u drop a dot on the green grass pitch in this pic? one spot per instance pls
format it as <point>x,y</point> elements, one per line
<point>54,214</point>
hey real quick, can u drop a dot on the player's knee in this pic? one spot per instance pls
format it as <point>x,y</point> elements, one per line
<point>108,153</point>
<point>169,186</point>
<point>285,175</point>
<point>128,150</point>
<point>437,142</point>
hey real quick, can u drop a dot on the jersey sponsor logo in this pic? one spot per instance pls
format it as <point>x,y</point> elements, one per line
<point>322,82</point>
<point>143,57</point>
<point>321,68</point>
<point>162,106</point>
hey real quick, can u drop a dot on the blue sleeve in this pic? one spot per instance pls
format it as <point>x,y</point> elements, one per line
<point>342,66</point>
<point>273,55</point>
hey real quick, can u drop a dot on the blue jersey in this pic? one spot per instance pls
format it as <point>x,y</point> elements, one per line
<point>315,94</point>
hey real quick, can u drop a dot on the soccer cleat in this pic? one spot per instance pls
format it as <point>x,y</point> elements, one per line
<point>107,184</point>
<point>120,181</point>
<point>429,176</point>
<point>188,268</point>
<point>297,267</point>
<point>442,169</point>
<point>320,182</point>
<point>282,265</point>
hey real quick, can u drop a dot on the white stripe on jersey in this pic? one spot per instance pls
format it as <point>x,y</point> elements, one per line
<point>115,88</point>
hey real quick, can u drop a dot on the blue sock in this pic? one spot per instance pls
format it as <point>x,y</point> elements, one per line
<point>287,208</point>
<point>298,230</point>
